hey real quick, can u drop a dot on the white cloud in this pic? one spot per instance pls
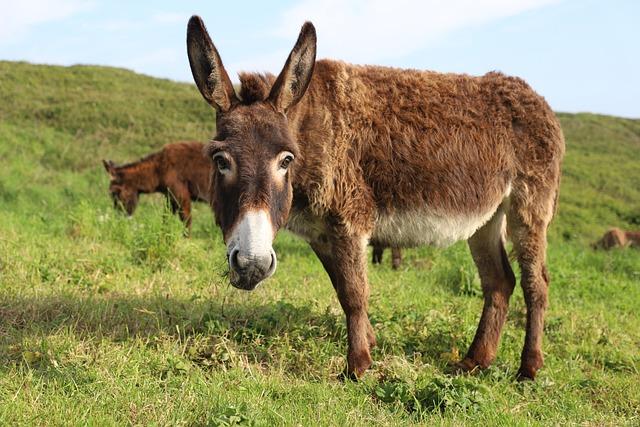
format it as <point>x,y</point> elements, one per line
<point>374,30</point>
<point>153,21</point>
<point>19,15</point>
<point>171,18</point>
<point>113,25</point>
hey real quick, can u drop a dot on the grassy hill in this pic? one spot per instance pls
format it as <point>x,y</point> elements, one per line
<point>124,321</point>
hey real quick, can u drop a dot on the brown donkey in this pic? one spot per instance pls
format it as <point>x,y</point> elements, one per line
<point>342,154</point>
<point>180,171</point>
<point>617,238</point>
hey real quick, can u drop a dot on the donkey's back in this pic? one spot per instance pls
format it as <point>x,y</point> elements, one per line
<point>185,162</point>
<point>436,153</point>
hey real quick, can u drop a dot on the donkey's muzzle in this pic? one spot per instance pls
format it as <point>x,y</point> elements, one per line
<point>248,270</point>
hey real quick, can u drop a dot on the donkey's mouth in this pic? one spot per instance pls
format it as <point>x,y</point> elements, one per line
<point>245,282</point>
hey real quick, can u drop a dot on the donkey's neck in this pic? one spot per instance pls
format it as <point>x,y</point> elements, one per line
<point>143,174</point>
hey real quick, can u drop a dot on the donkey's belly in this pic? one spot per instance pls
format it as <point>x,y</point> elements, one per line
<point>423,227</point>
<point>407,228</point>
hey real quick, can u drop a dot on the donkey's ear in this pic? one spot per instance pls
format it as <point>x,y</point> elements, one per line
<point>295,77</point>
<point>207,69</point>
<point>110,167</point>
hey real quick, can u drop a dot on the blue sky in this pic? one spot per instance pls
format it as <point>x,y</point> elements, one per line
<point>582,55</point>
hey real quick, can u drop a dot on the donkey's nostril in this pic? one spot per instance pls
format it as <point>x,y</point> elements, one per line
<point>272,267</point>
<point>233,259</point>
<point>261,264</point>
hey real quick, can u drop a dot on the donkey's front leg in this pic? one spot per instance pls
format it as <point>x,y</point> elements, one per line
<point>344,258</point>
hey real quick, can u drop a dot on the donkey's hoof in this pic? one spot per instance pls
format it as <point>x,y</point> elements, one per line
<point>526,374</point>
<point>352,375</point>
<point>466,366</point>
<point>529,366</point>
<point>345,376</point>
<point>357,364</point>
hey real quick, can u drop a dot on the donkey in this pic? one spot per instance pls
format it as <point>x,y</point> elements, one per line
<point>341,154</point>
<point>378,251</point>
<point>179,170</point>
<point>617,238</point>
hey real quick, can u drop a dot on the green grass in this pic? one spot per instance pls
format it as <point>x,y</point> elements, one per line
<point>109,321</point>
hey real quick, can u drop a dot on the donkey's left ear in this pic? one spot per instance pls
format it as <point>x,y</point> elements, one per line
<point>295,77</point>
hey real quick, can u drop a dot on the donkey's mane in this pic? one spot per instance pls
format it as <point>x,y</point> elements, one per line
<point>140,161</point>
<point>255,87</point>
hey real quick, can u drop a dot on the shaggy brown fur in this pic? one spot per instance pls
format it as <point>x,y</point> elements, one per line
<point>405,157</point>
<point>180,171</point>
<point>617,238</point>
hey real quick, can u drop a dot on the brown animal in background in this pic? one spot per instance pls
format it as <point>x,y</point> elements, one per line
<point>180,171</point>
<point>617,238</point>
<point>342,154</point>
<point>378,251</point>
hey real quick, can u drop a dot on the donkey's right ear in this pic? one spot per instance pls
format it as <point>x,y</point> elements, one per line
<point>109,166</point>
<point>207,69</point>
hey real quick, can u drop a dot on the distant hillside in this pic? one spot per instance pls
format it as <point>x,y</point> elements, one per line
<point>56,123</point>
<point>601,175</point>
<point>101,110</point>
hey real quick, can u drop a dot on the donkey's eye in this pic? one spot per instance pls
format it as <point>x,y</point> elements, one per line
<point>284,164</point>
<point>222,163</point>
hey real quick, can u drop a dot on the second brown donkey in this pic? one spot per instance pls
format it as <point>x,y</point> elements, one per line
<point>342,154</point>
<point>178,170</point>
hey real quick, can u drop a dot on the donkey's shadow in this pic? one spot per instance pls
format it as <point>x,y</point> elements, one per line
<point>128,316</point>
<point>246,325</point>
<point>256,330</point>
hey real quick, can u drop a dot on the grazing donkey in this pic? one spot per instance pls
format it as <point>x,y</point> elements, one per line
<point>342,154</point>
<point>617,238</point>
<point>180,171</point>
<point>378,251</point>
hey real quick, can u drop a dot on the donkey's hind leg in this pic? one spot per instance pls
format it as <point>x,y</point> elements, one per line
<point>498,281</point>
<point>528,231</point>
<point>396,257</point>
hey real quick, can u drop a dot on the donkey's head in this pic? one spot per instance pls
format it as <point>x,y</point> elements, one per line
<point>253,152</point>
<point>123,194</point>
